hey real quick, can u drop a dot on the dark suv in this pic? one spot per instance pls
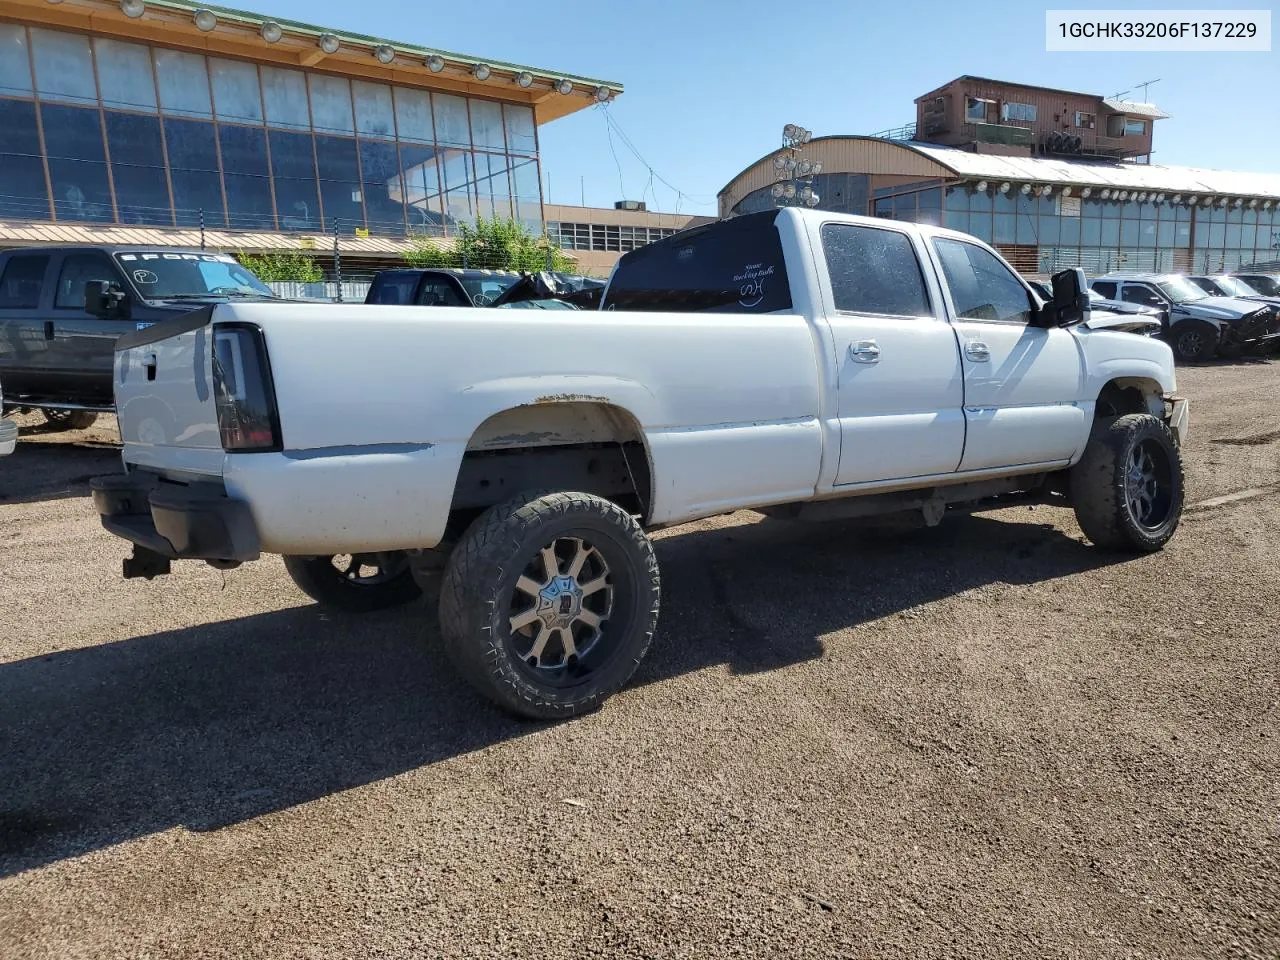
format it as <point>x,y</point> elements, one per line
<point>62,309</point>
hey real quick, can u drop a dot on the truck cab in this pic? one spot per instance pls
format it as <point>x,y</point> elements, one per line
<point>63,308</point>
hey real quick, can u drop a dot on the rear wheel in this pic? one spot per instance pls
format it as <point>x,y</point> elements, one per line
<point>1195,341</point>
<point>1127,489</point>
<point>359,583</point>
<point>70,419</point>
<point>548,604</point>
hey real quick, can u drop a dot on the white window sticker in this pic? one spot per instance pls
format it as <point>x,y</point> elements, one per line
<point>145,277</point>
<point>751,284</point>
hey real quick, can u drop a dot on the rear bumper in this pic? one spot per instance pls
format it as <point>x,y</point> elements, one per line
<point>8,437</point>
<point>192,522</point>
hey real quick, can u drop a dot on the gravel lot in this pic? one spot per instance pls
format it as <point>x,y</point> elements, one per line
<point>987,739</point>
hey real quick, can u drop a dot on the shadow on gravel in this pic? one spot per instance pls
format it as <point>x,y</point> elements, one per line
<point>53,471</point>
<point>217,724</point>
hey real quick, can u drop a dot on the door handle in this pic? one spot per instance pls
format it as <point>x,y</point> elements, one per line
<point>977,351</point>
<point>864,351</point>
<point>48,329</point>
<point>149,365</point>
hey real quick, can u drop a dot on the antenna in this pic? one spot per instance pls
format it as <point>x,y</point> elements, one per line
<point>1144,84</point>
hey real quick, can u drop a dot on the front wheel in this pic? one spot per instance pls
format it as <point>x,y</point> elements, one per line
<point>70,419</point>
<point>359,583</point>
<point>548,604</point>
<point>1127,489</point>
<point>1195,341</point>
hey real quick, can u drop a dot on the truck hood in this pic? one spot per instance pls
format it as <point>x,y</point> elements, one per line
<point>1142,323</point>
<point>1218,308</point>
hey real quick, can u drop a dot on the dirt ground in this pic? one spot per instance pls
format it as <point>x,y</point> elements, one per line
<point>983,740</point>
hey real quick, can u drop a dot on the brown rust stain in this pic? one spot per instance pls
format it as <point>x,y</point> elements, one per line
<point>570,398</point>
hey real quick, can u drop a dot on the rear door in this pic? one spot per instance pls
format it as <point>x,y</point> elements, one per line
<point>24,348</point>
<point>83,345</point>
<point>900,387</point>
<point>1022,383</point>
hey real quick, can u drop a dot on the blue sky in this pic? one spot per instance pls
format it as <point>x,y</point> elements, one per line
<point>709,83</point>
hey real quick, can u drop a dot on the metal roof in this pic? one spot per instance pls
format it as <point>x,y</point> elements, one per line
<point>256,20</point>
<point>18,233</point>
<point>1142,176</point>
<point>1133,108</point>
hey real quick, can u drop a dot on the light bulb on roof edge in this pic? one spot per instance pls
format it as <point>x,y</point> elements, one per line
<point>133,8</point>
<point>789,130</point>
<point>564,87</point>
<point>524,79</point>
<point>480,71</point>
<point>602,94</point>
<point>789,190</point>
<point>817,167</point>
<point>384,53</point>
<point>434,63</point>
<point>328,43</point>
<point>982,186</point>
<point>776,191</point>
<point>205,20</point>
<point>1004,187</point>
<point>271,32</point>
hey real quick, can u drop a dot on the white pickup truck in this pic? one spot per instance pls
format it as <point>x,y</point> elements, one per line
<point>806,364</point>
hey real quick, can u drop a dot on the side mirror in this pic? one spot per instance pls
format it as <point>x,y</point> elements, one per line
<point>1070,300</point>
<point>105,299</point>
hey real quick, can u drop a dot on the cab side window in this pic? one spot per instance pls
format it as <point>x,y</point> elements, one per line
<point>1105,289</point>
<point>21,282</point>
<point>1142,294</point>
<point>982,288</point>
<point>874,271</point>
<point>77,270</point>
<point>440,293</point>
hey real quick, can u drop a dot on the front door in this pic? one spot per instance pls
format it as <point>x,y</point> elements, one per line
<point>900,383</point>
<point>1022,384</point>
<point>83,348</point>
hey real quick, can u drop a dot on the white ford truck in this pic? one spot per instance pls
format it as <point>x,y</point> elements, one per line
<point>802,363</point>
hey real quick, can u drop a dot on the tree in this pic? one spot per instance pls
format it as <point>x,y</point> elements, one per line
<point>492,244</point>
<point>287,267</point>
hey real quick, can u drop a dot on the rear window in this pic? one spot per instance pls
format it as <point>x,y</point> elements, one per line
<point>732,266</point>
<point>21,282</point>
<point>874,271</point>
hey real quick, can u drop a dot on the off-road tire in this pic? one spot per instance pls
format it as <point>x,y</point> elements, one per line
<point>1099,484</point>
<point>479,584</point>
<point>1194,341</point>
<point>320,580</point>
<point>69,419</point>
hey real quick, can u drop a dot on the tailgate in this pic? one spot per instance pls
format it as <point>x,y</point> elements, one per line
<point>164,396</point>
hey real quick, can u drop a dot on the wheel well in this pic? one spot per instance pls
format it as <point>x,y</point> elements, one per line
<point>563,445</point>
<point>1129,395</point>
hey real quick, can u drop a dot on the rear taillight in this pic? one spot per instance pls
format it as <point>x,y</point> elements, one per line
<point>242,387</point>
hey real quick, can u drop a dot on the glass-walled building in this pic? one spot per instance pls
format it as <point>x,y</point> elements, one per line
<point>1043,214</point>
<point>118,124</point>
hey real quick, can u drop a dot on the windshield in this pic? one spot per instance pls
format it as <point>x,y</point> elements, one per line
<point>1233,287</point>
<point>484,290</point>
<point>1181,290</point>
<point>160,276</point>
<point>1267,286</point>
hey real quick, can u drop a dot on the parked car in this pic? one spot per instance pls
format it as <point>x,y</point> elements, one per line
<point>8,430</point>
<point>1200,326</point>
<point>447,287</point>
<point>808,364</point>
<point>1098,302</point>
<point>62,308</point>
<point>1267,284</point>
<point>1226,285</point>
